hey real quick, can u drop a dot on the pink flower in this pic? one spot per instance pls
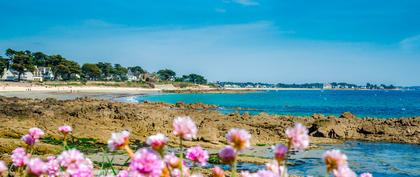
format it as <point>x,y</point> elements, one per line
<point>70,157</point>
<point>227,154</point>
<point>264,173</point>
<point>53,167</point>
<point>172,160</point>
<point>19,157</point>
<point>123,173</point>
<point>197,175</point>
<point>239,138</point>
<point>65,129</point>
<point>334,159</point>
<point>36,167</point>
<point>83,168</point>
<point>245,174</point>
<point>280,152</point>
<point>36,133</point>
<point>344,171</point>
<point>157,142</point>
<point>298,136</point>
<point>147,163</point>
<point>28,139</point>
<point>274,167</point>
<point>3,167</point>
<point>177,172</point>
<point>198,154</point>
<point>185,128</point>
<point>118,141</point>
<point>366,175</point>
<point>218,172</point>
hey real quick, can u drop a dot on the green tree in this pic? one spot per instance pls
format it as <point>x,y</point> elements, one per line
<point>106,70</point>
<point>91,71</point>
<point>68,69</point>
<point>22,61</point>
<point>120,72</point>
<point>166,74</point>
<point>194,78</point>
<point>40,58</point>
<point>3,65</point>
<point>137,70</point>
<point>54,61</point>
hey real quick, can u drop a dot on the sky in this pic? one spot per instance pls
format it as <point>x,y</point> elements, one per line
<point>294,41</point>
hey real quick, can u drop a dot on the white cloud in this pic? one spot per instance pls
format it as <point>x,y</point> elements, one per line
<point>411,43</point>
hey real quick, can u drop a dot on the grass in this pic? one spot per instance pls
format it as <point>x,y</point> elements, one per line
<point>83,144</point>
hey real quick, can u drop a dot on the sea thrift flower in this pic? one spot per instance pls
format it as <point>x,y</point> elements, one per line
<point>344,171</point>
<point>3,167</point>
<point>366,175</point>
<point>264,173</point>
<point>280,152</point>
<point>245,174</point>
<point>298,136</point>
<point>239,138</point>
<point>36,133</point>
<point>19,157</point>
<point>274,167</point>
<point>65,129</point>
<point>123,173</point>
<point>198,155</point>
<point>157,142</point>
<point>36,167</point>
<point>147,163</point>
<point>227,154</point>
<point>185,128</point>
<point>197,175</point>
<point>217,172</point>
<point>53,167</point>
<point>334,159</point>
<point>172,160</point>
<point>28,139</point>
<point>177,172</point>
<point>70,157</point>
<point>83,168</point>
<point>118,141</point>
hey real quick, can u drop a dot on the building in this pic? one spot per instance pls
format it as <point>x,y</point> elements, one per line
<point>40,74</point>
<point>327,86</point>
<point>9,75</point>
<point>132,77</point>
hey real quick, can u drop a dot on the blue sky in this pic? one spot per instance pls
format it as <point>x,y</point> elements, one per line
<point>274,41</point>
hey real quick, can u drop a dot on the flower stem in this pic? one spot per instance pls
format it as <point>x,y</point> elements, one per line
<point>181,156</point>
<point>65,142</point>
<point>289,144</point>
<point>129,151</point>
<point>234,164</point>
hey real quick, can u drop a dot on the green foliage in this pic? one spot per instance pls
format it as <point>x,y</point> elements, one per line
<point>194,78</point>
<point>91,71</point>
<point>3,65</point>
<point>120,73</point>
<point>137,70</point>
<point>82,144</point>
<point>22,61</point>
<point>214,159</point>
<point>166,74</point>
<point>106,70</point>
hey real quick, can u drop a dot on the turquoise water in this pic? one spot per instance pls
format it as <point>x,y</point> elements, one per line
<point>380,159</point>
<point>363,103</point>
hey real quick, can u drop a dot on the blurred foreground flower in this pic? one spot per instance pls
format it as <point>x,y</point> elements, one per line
<point>298,136</point>
<point>198,155</point>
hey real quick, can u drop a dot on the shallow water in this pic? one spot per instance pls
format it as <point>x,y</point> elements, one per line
<point>363,103</point>
<point>380,159</point>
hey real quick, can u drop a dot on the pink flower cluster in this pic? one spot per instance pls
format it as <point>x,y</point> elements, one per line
<point>65,129</point>
<point>157,142</point>
<point>3,167</point>
<point>185,128</point>
<point>239,138</point>
<point>118,140</point>
<point>19,157</point>
<point>280,152</point>
<point>298,136</point>
<point>33,136</point>
<point>198,155</point>
<point>146,163</point>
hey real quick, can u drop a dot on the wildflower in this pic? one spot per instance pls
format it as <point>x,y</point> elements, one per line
<point>177,172</point>
<point>366,175</point>
<point>334,159</point>
<point>147,163</point>
<point>122,173</point>
<point>70,157</point>
<point>185,128</point>
<point>239,138</point>
<point>28,139</point>
<point>264,173</point>
<point>277,169</point>
<point>65,129</point>
<point>197,175</point>
<point>53,167</point>
<point>3,167</point>
<point>245,174</point>
<point>36,133</point>
<point>157,142</point>
<point>227,154</point>
<point>217,172</point>
<point>19,157</point>
<point>172,160</point>
<point>36,167</point>
<point>298,136</point>
<point>344,171</point>
<point>83,168</point>
<point>280,152</point>
<point>118,141</point>
<point>198,155</point>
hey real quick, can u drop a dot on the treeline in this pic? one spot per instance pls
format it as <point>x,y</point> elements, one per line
<point>333,85</point>
<point>66,69</point>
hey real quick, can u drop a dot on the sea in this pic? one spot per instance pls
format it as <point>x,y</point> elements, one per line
<point>362,103</point>
<point>380,158</point>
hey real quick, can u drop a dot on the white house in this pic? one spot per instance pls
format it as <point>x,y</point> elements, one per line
<point>327,86</point>
<point>9,75</point>
<point>131,76</point>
